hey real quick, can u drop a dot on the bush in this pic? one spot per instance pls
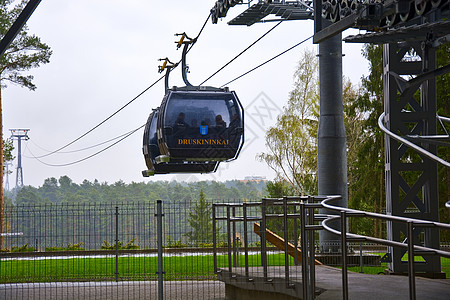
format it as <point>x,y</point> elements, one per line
<point>24,248</point>
<point>174,244</point>
<point>128,246</point>
<point>70,247</point>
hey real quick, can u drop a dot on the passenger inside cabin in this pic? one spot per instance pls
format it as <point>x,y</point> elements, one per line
<point>220,122</point>
<point>179,122</point>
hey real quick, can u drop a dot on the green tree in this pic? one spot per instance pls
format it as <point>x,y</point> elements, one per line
<point>292,142</point>
<point>25,52</point>
<point>7,151</point>
<point>200,220</point>
<point>366,163</point>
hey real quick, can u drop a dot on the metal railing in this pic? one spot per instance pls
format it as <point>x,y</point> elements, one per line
<point>290,208</point>
<point>303,210</point>
<point>129,250</point>
<point>411,144</point>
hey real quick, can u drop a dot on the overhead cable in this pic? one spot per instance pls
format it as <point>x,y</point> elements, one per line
<point>242,52</point>
<point>78,150</point>
<point>90,156</point>
<point>267,61</point>
<point>120,109</point>
<point>104,121</point>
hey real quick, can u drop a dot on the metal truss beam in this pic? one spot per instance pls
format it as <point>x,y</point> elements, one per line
<point>411,178</point>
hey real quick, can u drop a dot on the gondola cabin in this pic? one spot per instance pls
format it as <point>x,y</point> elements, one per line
<point>200,125</point>
<point>151,152</point>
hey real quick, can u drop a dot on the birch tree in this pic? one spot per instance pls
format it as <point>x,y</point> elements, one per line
<point>292,142</point>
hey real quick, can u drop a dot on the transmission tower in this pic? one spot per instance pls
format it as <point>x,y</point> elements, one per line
<point>19,134</point>
<point>7,165</point>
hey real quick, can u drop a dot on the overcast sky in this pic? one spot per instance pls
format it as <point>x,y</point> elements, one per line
<point>105,53</point>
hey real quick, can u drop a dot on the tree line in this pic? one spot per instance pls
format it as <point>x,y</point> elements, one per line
<point>65,191</point>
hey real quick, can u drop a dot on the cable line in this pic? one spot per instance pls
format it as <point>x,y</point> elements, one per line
<point>105,120</point>
<point>242,52</point>
<point>267,61</point>
<point>203,27</point>
<point>90,156</point>
<point>79,150</point>
<point>120,109</point>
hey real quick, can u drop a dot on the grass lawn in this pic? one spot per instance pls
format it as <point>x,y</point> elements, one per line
<point>139,268</point>
<point>129,268</point>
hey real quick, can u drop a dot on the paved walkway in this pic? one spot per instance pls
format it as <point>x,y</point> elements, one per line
<point>328,279</point>
<point>329,284</point>
<point>131,290</point>
<point>385,287</point>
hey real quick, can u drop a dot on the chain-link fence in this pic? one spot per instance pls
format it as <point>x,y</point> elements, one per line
<point>107,251</point>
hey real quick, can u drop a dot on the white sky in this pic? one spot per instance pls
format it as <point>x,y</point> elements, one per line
<point>105,53</point>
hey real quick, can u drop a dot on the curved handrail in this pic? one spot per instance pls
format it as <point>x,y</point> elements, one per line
<point>410,144</point>
<point>360,213</point>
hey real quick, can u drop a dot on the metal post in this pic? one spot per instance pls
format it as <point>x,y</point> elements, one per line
<point>159,233</point>
<point>244,208</point>
<point>361,262</point>
<point>286,247</point>
<point>230,263</point>
<point>237,252</point>
<point>296,238</point>
<point>117,242</point>
<point>312,258</point>
<point>263,239</point>
<point>304,248</point>
<point>233,225</point>
<point>214,237</point>
<point>411,275</point>
<point>344,255</point>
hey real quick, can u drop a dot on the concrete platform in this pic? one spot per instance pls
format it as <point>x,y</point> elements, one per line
<point>328,285</point>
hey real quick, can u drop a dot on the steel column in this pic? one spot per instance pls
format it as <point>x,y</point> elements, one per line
<point>332,150</point>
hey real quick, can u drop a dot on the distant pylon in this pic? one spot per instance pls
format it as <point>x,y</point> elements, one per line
<point>6,174</point>
<point>19,134</point>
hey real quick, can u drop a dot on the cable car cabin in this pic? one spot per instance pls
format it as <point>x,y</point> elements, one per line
<point>200,125</point>
<point>151,151</point>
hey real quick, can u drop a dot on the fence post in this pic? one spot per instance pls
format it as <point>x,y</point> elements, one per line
<point>244,212</point>
<point>230,263</point>
<point>286,241</point>
<point>159,234</point>
<point>214,237</point>
<point>411,275</point>
<point>263,239</point>
<point>233,225</point>
<point>304,249</point>
<point>344,255</point>
<point>361,260</point>
<point>312,254</point>
<point>117,242</point>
